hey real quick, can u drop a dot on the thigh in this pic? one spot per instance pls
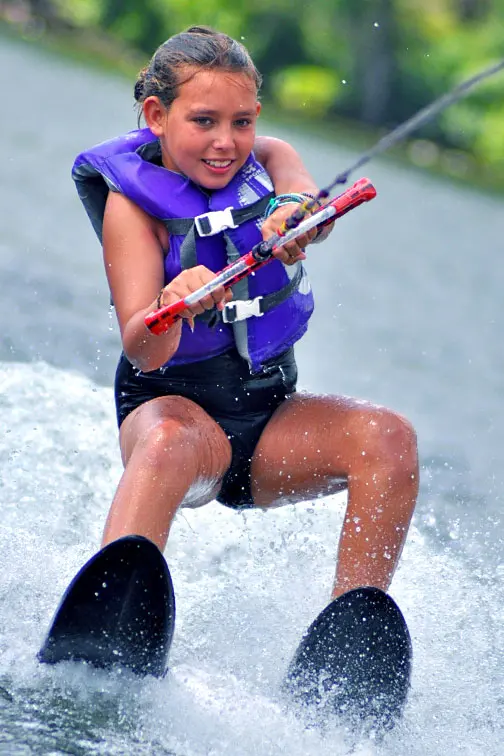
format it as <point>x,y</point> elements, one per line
<point>179,428</point>
<point>310,445</point>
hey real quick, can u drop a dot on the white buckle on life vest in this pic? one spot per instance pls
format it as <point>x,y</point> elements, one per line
<point>241,310</point>
<point>215,221</point>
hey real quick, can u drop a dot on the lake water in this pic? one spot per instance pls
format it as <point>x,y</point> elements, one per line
<point>409,314</point>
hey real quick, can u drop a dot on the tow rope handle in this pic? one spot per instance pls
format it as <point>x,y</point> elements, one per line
<point>164,318</point>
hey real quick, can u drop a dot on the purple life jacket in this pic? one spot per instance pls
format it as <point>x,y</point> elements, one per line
<point>270,308</point>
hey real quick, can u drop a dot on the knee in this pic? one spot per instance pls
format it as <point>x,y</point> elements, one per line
<point>391,442</point>
<point>189,440</point>
<point>167,439</point>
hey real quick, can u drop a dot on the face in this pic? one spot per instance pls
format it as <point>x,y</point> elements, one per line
<point>209,130</point>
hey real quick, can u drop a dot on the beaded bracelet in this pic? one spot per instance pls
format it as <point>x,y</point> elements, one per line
<point>313,197</point>
<point>280,200</point>
<point>285,199</point>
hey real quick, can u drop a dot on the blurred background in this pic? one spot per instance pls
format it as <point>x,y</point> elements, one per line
<point>363,65</point>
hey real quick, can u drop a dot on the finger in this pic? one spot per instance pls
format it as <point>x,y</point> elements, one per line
<point>309,236</point>
<point>222,295</point>
<point>293,248</point>
<point>187,283</point>
<point>298,258</point>
<point>208,302</point>
<point>302,241</point>
<point>216,297</point>
<point>179,290</point>
<point>227,298</point>
<point>289,258</point>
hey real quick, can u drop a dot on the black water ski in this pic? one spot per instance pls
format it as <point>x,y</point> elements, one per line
<point>354,661</point>
<point>118,610</point>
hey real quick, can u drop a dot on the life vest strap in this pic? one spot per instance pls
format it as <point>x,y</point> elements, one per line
<point>212,223</point>
<point>215,221</point>
<point>241,309</point>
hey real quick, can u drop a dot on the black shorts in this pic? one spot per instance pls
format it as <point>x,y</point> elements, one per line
<point>240,402</point>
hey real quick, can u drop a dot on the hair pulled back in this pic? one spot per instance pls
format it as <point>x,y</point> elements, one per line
<point>198,47</point>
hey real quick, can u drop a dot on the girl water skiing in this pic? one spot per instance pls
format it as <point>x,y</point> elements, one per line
<point>209,409</point>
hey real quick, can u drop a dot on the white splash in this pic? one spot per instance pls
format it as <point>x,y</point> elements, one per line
<point>247,586</point>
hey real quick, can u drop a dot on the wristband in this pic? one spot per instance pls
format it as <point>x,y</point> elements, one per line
<point>282,199</point>
<point>298,198</point>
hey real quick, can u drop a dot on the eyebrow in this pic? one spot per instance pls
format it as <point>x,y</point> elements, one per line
<point>208,111</point>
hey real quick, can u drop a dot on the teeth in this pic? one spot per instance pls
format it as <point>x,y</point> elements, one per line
<point>219,163</point>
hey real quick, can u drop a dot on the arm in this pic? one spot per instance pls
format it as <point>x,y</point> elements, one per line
<point>284,165</point>
<point>134,266</point>
<point>134,263</point>
<point>289,175</point>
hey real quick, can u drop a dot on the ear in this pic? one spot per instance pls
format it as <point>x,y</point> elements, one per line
<point>258,108</point>
<point>154,114</point>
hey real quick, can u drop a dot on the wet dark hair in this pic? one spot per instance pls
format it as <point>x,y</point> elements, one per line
<point>198,47</point>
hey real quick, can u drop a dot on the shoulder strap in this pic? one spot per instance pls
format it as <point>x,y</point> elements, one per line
<point>203,225</point>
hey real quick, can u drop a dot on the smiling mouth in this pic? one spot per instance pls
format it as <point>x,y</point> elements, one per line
<point>218,163</point>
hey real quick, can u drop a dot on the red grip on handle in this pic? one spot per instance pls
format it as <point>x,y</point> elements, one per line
<point>161,320</point>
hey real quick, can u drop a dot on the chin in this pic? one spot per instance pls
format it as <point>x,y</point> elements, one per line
<point>216,182</point>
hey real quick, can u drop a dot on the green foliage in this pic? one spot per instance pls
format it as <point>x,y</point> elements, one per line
<point>79,12</point>
<point>311,89</point>
<point>376,61</point>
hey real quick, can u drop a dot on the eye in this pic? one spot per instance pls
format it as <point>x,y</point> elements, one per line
<point>243,123</point>
<point>203,121</point>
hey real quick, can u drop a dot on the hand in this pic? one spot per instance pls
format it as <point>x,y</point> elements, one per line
<point>292,252</point>
<point>190,281</point>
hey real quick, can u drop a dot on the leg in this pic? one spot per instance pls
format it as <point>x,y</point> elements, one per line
<point>311,443</point>
<point>173,452</point>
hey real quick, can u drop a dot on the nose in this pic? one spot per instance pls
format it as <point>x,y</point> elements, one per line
<point>223,138</point>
